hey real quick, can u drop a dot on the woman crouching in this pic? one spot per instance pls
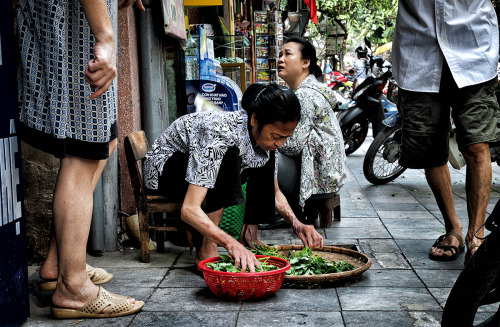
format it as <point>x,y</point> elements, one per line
<point>206,156</point>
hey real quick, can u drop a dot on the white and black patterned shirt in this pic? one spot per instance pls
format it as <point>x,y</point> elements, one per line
<point>206,136</point>
<point>464,33</point>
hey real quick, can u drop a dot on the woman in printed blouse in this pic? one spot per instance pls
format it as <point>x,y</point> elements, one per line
<point>208,155</point>
<point>317,144</point>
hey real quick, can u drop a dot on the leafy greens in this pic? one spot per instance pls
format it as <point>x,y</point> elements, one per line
<point>227,264</point>
<point>305,263</point>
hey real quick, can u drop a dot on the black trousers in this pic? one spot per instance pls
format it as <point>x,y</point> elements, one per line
<point>260,200</point>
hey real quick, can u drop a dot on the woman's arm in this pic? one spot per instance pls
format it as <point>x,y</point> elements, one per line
<point>307,233</point>
<point>101,70</point>
<point>192,214</point>
<point>295,143</point>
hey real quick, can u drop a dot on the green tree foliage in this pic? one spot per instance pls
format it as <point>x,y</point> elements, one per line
<point>372,18</point>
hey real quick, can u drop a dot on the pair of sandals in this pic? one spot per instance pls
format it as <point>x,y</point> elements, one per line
<point>106,305</point>
<point>455,251</point>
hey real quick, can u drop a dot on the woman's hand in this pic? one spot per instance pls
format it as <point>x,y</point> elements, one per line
<point>307,234</point>
<point>101,70</point>
<point>242,256</point>
<point>127,3</point>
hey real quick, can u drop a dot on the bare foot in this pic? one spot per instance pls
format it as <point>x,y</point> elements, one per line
<point>76,294</point>
<point>207,250</point>
<point>48,270</point>
<point>473,243</point>
<point>448,240</point>
<point>249,236</point>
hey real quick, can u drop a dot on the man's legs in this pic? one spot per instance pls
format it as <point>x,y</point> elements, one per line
<point>478,186</point>
<point>439,181</point>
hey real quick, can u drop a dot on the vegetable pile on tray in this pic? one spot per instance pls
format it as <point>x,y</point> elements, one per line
<point>227,264</point>
<point>305,262</point>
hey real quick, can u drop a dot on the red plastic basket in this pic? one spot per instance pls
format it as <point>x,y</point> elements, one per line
<point>245,286</point>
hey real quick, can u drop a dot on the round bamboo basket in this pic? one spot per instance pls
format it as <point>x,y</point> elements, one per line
<point>357,259</point>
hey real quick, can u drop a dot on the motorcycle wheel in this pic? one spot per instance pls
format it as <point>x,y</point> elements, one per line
<point>354,134</point>
<point>380,165</point>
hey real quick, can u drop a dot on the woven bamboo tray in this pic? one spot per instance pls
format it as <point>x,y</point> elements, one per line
<point>357,259</point>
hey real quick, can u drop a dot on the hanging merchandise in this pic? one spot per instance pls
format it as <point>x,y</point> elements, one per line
<point>206,54</point>
<point>268,30</point>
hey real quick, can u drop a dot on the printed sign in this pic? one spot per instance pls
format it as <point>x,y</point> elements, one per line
<point>216,90</point>
<point>173,18</point>
<point>14,294</point>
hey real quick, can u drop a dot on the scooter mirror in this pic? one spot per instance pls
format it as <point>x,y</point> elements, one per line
<point>368,43</point>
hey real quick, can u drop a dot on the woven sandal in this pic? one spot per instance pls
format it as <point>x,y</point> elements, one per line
<point>106,305</point>
<point>98,276</point>
<point>455,251</point>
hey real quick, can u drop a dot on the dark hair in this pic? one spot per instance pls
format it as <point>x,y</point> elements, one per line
<point>308,51</point>
<point>271,103</point>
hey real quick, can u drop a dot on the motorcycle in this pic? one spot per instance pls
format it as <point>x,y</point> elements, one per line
<point>341,84</point>
<point>368,105</point>
<point>381,162</point>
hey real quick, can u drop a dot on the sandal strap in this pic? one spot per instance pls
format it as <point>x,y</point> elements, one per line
<point>458,237</point>
<point>107,301</point>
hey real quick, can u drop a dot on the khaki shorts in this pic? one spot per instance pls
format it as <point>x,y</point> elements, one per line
<point>426,120</point>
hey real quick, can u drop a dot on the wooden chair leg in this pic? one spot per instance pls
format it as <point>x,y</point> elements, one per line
<point>336,207</point>
<point>160,235</point>
<point>144,236</point>
<point>326,208</point>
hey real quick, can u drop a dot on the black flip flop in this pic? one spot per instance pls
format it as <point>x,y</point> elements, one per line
<point>456,251</point>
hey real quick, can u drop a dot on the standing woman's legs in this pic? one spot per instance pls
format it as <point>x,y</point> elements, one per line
<point>73,203</point>
<point>49,268</point>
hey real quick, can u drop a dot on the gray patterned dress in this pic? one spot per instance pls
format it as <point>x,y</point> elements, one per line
<point>317,139</point>
<point>56,43</point>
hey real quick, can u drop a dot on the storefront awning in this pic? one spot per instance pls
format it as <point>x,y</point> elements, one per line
<point>383,48</point>
<point>201,3</point>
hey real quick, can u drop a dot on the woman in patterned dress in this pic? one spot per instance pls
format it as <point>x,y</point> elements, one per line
<point>203,156</point>
<point>316,145</point>
<point>67,108</point>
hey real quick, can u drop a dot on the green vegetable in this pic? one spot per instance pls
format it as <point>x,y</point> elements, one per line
<point>305,263</point>
<point>267,250</point>
<point>227,264</point>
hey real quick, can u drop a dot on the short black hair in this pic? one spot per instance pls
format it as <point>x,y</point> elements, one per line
<point>308,51</point>
<point>271,103</point>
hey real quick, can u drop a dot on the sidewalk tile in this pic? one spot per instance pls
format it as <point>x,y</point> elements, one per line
<point>291,300</point>
<point>184,319</point>
<point>391,318</point>
<point>386,299</point>
<point>188,299</point>
<point>297,317</point>
<point>387,278</point>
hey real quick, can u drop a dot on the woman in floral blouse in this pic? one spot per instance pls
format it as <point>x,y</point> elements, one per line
<point>207,155</point>
<point>317,143</point>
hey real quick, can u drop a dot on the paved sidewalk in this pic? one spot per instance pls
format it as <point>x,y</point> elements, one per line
<point>394,224</point>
